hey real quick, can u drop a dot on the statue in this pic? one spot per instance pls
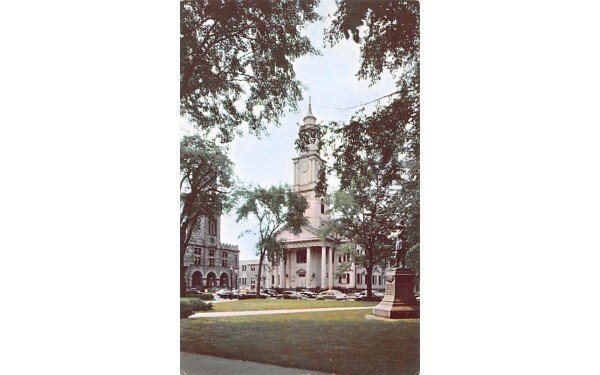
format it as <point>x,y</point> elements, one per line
<point>400,246</point>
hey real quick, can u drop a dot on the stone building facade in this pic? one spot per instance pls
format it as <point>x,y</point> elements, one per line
<point>210,264</point>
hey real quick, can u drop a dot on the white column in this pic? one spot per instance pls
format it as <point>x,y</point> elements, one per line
<point>323,266</point>
<point>308,273</point>
<point>330,261</point>
<point>267,276</point>
<point>288,268</point>
<point>281,273</point>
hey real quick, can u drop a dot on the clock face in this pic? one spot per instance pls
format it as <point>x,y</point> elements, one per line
<point>303,166</point>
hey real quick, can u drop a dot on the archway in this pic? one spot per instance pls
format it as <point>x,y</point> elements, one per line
<point>197,279</point>
<point>211,281</point>
<point>224,280</point>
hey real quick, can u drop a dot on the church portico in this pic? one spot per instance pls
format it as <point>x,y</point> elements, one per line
<point>303,268</point>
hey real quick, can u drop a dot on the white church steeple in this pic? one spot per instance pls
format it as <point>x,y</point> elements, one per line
<point>306,172</point>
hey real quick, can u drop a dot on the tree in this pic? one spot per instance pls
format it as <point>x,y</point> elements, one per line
<point>275,208</point>
<point>236,61</point>
<point>206,176</point>
<point>388,35</point>
<point>376,156</point>
<point>413,259</point>
<point>361,215</point>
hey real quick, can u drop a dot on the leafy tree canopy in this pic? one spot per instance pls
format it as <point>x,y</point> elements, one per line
<point>276,208</point>
<point>380,151</point>
<point>236,61</point>
<point>362,216</point>
<point>206,176</point>
<point>390,34</point>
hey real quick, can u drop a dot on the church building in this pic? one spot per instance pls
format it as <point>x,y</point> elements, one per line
<point>309,260</point>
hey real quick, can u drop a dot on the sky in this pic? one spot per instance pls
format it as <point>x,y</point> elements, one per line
<point>330,81</point>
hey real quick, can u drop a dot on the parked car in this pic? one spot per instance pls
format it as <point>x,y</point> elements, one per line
<point>375,295</point>
<point>332,294</point>
<point>233,294</point>
<point>193,292</point>
<point>270,292</point>
<point>247,295</point>
<point>308,294</point>
<point>252,295</point>
<point>223,293</point>
<point>291,294</point>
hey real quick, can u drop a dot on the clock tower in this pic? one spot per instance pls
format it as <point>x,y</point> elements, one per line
<point>306,173</point>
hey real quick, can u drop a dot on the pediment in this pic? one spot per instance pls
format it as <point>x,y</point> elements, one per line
<point>308,233</point>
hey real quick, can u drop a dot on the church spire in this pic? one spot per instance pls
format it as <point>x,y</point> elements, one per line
<point>310,119</point>
<point>309,114</point>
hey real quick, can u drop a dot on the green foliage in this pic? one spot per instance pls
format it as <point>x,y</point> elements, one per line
<point>206,175</point>
<point>204,296</point>
<point>413,260</point>
<point>357,216</point>
<point>236,61</point>
<point>275,208</point>
<point>390,34</point>
<point>195,304</point>
<point>377,156</point>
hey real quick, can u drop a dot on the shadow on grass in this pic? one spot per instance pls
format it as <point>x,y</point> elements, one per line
<point>343,342</point>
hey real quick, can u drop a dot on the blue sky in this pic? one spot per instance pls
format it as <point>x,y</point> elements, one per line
<point>330,80</point>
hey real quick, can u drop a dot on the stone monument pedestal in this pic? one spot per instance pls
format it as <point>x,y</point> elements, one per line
<point>399,301</point>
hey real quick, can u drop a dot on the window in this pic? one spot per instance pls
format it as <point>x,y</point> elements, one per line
<point>359,278</point>
<point>380,280</point>
<point>197,261</point>
<point>211,262</point>
<point>301,274</point>
<point>224,262</point>
<point>344,279</point>
<point>374,279</point>
<point>301,256</point>
<point>322,206</point>
<point>224,254</point>
<point>252,282</point>
<point>212,227</point>
<point>252,267</point>
<point>244,281</point>
<point>211,252</point>
<point>244,269</point>
<point>198,251</point>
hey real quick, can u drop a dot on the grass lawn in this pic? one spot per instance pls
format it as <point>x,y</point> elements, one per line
<point>279,304</point>
<point>344,342</point>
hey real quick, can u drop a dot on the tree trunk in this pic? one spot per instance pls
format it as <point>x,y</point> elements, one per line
<point>185,234</point>
<point>258,278</point>
<point>182,248</point>
<point>369,282</point>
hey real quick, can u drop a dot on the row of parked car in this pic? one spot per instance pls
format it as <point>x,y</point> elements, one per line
<point>302,294</point>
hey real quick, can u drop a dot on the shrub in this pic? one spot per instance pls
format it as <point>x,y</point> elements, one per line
<point>195,304</point>
<point>206,296</point>
<point>184,312</point>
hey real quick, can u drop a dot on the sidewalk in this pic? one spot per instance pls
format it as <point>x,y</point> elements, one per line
<point>272,312</point>
<point>198,364</point>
